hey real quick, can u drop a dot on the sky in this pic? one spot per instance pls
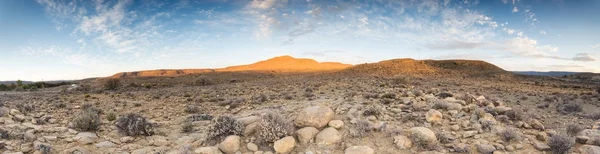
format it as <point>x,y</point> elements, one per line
<point>43,40</point>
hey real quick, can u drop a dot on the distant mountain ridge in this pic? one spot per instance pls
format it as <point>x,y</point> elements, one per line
<point>550,73</point>
<point>407,66</point>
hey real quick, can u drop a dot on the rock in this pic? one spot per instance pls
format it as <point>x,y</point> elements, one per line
<point>50,138</point>
<point>29,136</point>
<point>284,145</point>
<point>248,120</point>
<point>19,117</point>
<point>402,142</point>
<point>486,148</point>
<point>487,118</point>
<point>230,145</point>
<point>306,134</point>
<point>433,116</point>
<point>126,139</point>
<point>250,129</point>
<point>105,144</point>
<point>328,136</point>
<point>86,137</point>
<point>208,150</point>
<point>337,124</point>
<point>468,134</point>
<point>541,146</point>
<point>77,150</point>
<point>422,134</point>
<point>536,124</point>
<point>501,109</point>
<point>455,128</point>
<point>589,149</point>
<point>461,147</point>
<point>144,150</point>
<point>542,136</point>
<point>359,150</point>
<point>252,147</point>
<point>14,112</point>
<point>582,139</point>
<point>314,116</point>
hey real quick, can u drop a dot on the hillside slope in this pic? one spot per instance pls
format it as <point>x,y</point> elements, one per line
<point>407,66</point>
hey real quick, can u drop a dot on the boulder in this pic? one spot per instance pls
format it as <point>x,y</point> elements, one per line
<point>541,146</point>
<point>486,148</point>
<point>337,124</point>
<point>306,134</point>
<point>328,136</point>
<point>86,137</point>
<point>284,145</point>
<point>589,149</point>
<point>314,116</point>
<point>422,134</point>
<point>230,145</point>
<point>252,147</point>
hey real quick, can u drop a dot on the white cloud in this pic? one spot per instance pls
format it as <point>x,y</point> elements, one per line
<point>505,1</point>
<point>509,31</point>
<point>529,47</point>
<point>515,9</point>
<point>262,4</point>
<point>520,33</point>
<point>585,57</point>
<point>543,32</point>
<point>596,46</point>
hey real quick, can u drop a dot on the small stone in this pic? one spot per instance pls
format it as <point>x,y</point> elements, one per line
<point>230,145</point>
<point>86,137</point>
<point>329,136</point>
<point>284,145</point>
<point>582,139</point>
<point>126,139</point>
<point>105,144</point>
<point>433,116</point>
<point>50,138</point>
<point>486,148</point>
<point>306,134</point>
<point>14,112</point>
<point>541,146</point>
<point>423,134</point>
<point>252,147</point>
<point>455,128</point>
<point>248,120</point>
<point>337,124</point>
<point>536,124</point>
<point>28,136</point>
<point>359,150</point>
<point>468,134</point>
<point>402,142</point>
<point>589,149</point>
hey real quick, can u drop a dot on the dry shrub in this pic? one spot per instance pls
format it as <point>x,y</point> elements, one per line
<point>222,127</point>
<point>508,135</point>
<point>199,117</point>
<point>362,128</point>
<point>132,124</point>
<point>515,114</point>
<point>187,126</point>
<point>401,79</point>
<point>88,120</point>
<point>574,129</point>
<point>112,84</point>
<point>560,144</point>
<point>372,110</point>
<point>273,127</point>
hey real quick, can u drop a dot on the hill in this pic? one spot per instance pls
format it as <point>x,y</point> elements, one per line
<point>280,64</point>
<point>407,66</point>
<point>550,73</point>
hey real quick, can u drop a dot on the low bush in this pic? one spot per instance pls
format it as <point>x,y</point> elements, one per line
<point>222,127</point>
<point>87,120</point>
<point>273,127</point>
<point>573,129</point>
<point>560,144</point>
<point>132,124</point>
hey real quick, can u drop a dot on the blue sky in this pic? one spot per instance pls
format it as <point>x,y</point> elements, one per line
<point>60,39</point>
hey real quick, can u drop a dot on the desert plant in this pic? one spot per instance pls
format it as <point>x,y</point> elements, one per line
<point>192,109</point>
<point>594,116</point>
<point>560,144</point>
<point>132,124</point>
<point>43,148</point>
<point>4,134</point>
<point>199,117</point>
<point>573,129</point>
<point>223,126</point>
<point>112,84</point>
<point>273,127</point>
<point>88,120</point>
<point>260,98</point>
<point>25,108</point>
<point>111,116</point>
<point>401,79</point>
<point>362,128</point>
<point>508,135</point>
<point>371,111</point>
<point>389,96</point>
<point>569,108</point>
<point>515,114</point>
<point>187,126</point>
<point>203,82</point>
<point>445,137</point>
<point>440,104</point>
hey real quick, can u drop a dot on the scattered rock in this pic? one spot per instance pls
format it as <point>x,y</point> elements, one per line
<point>105,144</point>
<point>86,137</point>
<point>402,142</point>
<point>248,120</point>
<point>328,136</point>
<point>541,146</point>
<point>486,148</point>
<point>306,134</point>
<point>359,150</point>
<point>126,139</point>
<point>589,149</point>
<point>252,147</point>
<point>582,139</point>
<point>314,116</point>
<point>468,134</point>
<point>422,134</point>
<point>536,124</point>
<point>433,116</point>
<point>337,124</point>
<point>284,145</point>
<point>230,145</point>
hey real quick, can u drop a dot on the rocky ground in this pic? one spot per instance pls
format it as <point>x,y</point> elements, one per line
<point>304,114</point>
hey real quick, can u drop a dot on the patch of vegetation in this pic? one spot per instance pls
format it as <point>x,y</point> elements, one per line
<point>560,144</point>
<point>515,115</point>
<point>132,124</point>
<point>389,96</point>
<point>112,84</point>
<point>203,82</point>
<point>445,137</point>
<point>199,117</point>
<point>187,126</point>
<point>372,111</point>
<point>222,127</point>
<point>87,120</point>
<point>111,116</point>
<point>569,108</point>
<point>362,128</point>
<point>191,109</point>
<point>508,135</point>
<point>4,134</point>
<point>574,129</point>
<point>400,79</point>
<point>273,127</point>
<point>43,148</point>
